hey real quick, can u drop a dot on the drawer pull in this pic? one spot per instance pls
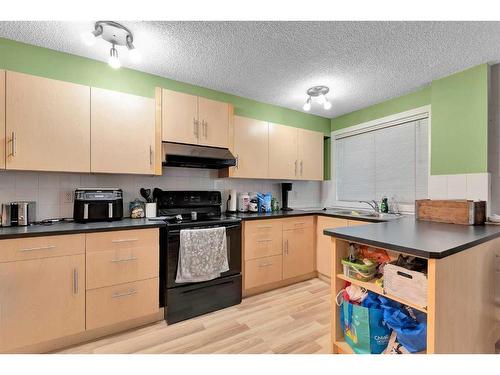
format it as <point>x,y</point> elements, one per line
<point>123,260</point>
<point>264,227</point>
<point>129,293</point>
<point>125,240</point>
<point>265,265</point>
<point>48,247</point>
<point>265,240</point>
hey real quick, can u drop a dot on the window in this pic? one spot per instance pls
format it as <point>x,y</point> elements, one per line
<point>388,160</point>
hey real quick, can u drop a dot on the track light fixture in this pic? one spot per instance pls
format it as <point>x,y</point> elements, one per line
<point>117,35</point>
<point>320,93</point>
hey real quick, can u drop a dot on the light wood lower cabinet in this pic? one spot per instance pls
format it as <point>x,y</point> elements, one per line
<point>123,133</point>
<point>118,303</point>
<point>47,124</point>
<point>298,252</point>
<point>262,271</point>
<point>324,243</point>
<point>41,299</point>
<point>262,238</point>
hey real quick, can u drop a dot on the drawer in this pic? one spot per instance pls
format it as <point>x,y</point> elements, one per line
<point>41,247</point>
<point>298,222</point>
<point>123,239</point>
<point>263,271</point>
<point>262,238</point>
<point>353,223</point>
<point>122,265</point>
<point>114,304</point>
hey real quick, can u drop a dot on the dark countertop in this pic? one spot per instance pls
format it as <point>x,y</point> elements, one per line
<point>297,212</point>
<point>419,238</point>
<point>72,228</point>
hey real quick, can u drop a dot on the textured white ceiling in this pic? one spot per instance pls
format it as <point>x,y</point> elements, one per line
<point>363,63</point>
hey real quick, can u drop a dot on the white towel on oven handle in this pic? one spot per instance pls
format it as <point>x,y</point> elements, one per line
<point>202,254</point>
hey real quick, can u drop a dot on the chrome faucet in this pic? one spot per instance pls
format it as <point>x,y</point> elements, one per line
<point>373,204</point>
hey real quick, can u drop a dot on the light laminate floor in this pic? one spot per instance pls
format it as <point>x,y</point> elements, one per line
<point>294,319</point>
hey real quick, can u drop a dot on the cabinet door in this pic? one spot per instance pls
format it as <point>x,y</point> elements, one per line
<point>2,119</point>
<point>310,155</point>
<point>41,299</point>
<point>179,114</point>
<point>123,133</point>
<point>324,246</point>
<point>251,148</point>
<point>298,249</point>
<point>213,117</point>
<point>283,162</point>
<point>48,124</point>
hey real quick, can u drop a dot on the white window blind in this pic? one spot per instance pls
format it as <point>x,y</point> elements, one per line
<point>389,161</point>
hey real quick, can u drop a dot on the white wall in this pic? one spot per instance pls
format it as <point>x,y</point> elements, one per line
<point>48,189</point>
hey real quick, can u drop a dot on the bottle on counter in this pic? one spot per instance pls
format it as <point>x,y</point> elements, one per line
<point>384,206</point>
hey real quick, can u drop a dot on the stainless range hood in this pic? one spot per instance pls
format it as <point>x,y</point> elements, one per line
<point>194,156</point>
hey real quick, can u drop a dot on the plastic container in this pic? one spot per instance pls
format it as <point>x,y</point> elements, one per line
<point>362,270</point>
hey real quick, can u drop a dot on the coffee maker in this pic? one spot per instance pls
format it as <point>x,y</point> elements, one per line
<point>285,188</point>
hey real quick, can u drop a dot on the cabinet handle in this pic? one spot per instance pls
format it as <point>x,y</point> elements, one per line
<point>296,162</point>
<point>13,141</point>
<point>75,280</point>
<point>265,265</point>
<point>301,167</point>
<point>286,247</point>
<point>265,240</point>
<point>151,155</point>
<point>123,260</point>
<point>195,127</point>
<point>125,240</point>
<point>264,227</point>
<point>129,293</point>
<point>48,247</point>
<point>237,161</point>
<point>300,223</point>
<point>205,128</point>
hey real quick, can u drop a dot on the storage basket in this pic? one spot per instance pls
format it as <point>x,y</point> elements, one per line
<point>359,270</point>
<point>408,285</point>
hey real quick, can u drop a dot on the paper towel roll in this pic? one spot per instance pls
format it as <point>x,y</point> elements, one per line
<point>232,202</point>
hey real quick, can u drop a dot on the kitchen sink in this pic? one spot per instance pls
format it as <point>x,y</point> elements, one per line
<point>357,213</point>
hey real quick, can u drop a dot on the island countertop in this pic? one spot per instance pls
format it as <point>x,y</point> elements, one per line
<point>419,238</point>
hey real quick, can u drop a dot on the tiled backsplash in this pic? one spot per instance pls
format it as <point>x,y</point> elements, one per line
<point>48,189</point>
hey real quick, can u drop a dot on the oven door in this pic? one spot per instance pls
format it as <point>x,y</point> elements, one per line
<point>233,238</point>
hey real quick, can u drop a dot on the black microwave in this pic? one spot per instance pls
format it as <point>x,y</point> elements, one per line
<point>98,204</point>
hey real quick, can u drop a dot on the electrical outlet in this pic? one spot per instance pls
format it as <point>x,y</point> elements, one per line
<point>67,196</point>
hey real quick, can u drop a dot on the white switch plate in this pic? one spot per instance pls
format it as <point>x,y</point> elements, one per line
<point>67,196</point>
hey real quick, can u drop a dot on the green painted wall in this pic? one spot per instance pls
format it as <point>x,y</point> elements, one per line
<point>459,130</point>
<point>400,104</point>
<point>48,63</point>
<point>459,124</point>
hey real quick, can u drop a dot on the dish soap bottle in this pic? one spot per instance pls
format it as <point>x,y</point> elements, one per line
<point>384,206</point>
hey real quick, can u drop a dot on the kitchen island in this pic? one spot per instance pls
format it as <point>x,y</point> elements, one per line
<point>460,260</point>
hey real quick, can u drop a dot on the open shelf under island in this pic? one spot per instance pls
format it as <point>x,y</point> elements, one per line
<point>461,284</point>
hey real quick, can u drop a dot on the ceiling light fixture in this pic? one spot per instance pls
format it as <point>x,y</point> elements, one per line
<point>117,35</point>
<point>320,93</point>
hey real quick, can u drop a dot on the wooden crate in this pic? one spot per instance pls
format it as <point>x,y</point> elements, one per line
<point>463,211</point>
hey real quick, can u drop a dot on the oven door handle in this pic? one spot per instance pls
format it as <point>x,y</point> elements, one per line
<point>176,232</point>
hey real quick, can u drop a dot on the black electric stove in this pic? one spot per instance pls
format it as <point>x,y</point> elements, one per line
<point>196,210</point>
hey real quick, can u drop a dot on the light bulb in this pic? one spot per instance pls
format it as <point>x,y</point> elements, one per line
<point>321,99</point>
<point>135,55</point>
<point>327,105</point>
<point>113,60</point>
<point>88,38</point>
<point>307,105</point>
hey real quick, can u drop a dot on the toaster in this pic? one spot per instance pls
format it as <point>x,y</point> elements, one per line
<point>98,204</point>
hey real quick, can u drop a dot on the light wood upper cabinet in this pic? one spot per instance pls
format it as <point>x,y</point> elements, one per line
<point>298,252</point>
<point>194,120</point>
<point>123,133</point>
<point>47,124</point>
<point>213,118</point>
<point>41,299</point>
<point>179,117</point>
<point>251,148</point>
<point>310,155</point>
<point>283,162</point>
<point>2,119</point>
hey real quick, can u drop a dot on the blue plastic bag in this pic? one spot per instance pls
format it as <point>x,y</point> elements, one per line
<point>264,202</point>
<point>410,325</point>
<point>363,328</point>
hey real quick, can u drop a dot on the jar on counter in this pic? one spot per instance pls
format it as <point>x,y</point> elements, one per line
<point>137,210</point>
